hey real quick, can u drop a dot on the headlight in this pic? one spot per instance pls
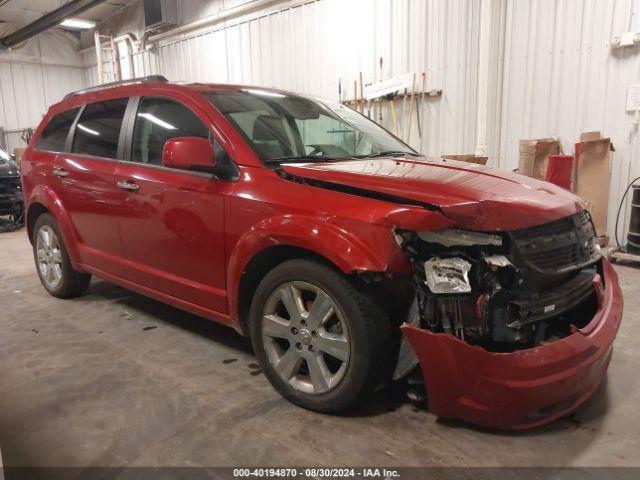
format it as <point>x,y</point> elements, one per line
<point>447,275</point>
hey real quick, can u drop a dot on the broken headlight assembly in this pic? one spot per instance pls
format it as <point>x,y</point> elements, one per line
<point>447,275</point>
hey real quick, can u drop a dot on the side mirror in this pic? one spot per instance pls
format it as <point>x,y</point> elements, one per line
<point>189,153</point>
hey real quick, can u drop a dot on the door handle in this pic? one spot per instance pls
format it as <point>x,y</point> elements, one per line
<point>128,185</point>
<point>60,172</point>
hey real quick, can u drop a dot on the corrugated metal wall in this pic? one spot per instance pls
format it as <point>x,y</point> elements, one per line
<point>27,90</point>
<point>550,68</point>
<point>561,77</point>
<point>308,48</point>
<point>32,77</point>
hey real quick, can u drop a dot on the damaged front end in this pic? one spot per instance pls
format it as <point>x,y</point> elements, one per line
<point>491,307</point>
<point>506,291</point>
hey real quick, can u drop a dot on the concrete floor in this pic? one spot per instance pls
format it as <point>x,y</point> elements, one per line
<point>113,378</point>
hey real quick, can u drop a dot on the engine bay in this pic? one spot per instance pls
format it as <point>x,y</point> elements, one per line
<point>506,291</point>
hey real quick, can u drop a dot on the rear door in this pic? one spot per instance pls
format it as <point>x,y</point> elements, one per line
<point>86,178</point>
<point>37,165</point>
<point>172,227</point>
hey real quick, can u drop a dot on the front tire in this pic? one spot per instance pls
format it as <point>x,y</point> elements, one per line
<point>322,344</point>
<point>52,261</point>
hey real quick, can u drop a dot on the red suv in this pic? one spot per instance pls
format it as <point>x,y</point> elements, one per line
<point>349,258</point>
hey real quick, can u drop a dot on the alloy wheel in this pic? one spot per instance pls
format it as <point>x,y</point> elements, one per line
<point>49,256</point>
<point>305,337</point>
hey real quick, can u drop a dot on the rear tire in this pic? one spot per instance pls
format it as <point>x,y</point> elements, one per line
<point>52,261</point>
<point>322,343</point>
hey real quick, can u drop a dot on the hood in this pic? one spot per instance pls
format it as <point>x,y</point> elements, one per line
<point>476,197</point>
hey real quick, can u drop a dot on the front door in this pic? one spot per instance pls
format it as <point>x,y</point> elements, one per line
<point>172,230</point>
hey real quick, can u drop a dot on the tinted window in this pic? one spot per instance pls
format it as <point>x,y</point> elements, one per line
<point>98,129</point>
<point>54,135</point>
<point>158,120</point>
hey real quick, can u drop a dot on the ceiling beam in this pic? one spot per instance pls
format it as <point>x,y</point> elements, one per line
<point>47,21</point>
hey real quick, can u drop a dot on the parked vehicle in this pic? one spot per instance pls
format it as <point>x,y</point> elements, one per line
<point>347,257</point>
<point>10,189</point>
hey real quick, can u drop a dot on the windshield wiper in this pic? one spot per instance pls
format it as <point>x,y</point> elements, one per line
<point>301,159</point>
<point>390,153</point>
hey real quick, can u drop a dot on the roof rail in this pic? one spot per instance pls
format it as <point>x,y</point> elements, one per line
<point>149,78</point>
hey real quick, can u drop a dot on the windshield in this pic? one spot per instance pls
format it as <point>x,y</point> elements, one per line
<point>4,156</point>
<point>282,127</point>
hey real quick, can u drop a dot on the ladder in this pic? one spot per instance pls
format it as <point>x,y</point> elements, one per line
<point>107,56</point>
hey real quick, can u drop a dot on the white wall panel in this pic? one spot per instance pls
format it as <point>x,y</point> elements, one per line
<point>33,76</point>
<point>26,92</point>
<point>310,46</point>
<point>561,77</point>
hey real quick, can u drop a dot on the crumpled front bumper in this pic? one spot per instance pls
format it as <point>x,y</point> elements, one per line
<point>522,389</point>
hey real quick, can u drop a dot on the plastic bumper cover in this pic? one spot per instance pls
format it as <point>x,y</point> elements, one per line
<point>521,389</point>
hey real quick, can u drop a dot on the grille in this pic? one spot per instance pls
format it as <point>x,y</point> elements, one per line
<point>560,246</point>
<point>560,299</point>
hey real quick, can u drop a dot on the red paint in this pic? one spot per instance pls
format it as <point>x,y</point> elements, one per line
<point>476,196</point>
<point>172,233</point>
<point>504,390</point>
<point>186,239</point>
<point>93,203</point>
<point>187,152</point>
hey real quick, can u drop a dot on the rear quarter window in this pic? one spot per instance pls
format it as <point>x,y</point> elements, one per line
<point>54,135</point>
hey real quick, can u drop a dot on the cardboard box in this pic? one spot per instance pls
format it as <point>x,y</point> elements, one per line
<point>593,176</point>
<point>467,158</point>
<point>534,156</point>
<point>590,136</point>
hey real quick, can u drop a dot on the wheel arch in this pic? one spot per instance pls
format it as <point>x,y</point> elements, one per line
<point>45,200</point>
<point>261,264</point>
<point>35,210</point>
<point>349,249</point>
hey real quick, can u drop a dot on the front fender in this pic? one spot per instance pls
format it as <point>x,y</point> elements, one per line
<point>340,243</point>
<point>47,197</point>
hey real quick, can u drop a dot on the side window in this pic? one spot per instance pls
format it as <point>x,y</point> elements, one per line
<point>158,120</point>
<point>98,129</point>
<point>54,135</point>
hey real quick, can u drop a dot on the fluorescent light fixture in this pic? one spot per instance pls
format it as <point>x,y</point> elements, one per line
<point>77,23</point>
<point>266,93</point>
<point>87,129</point>
<point>152,118</point>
